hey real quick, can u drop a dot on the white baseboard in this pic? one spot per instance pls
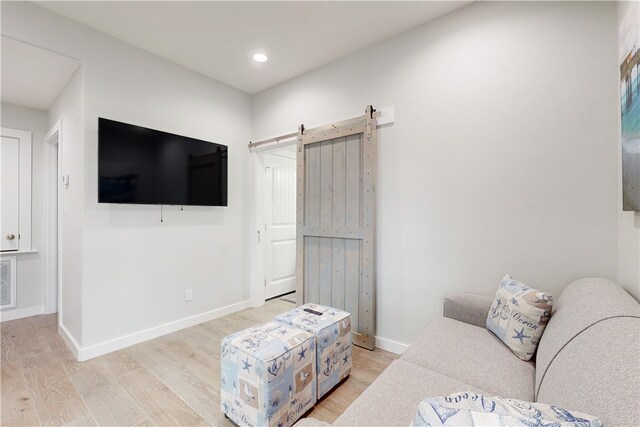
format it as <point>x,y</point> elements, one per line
<point>19,313</point>
<point>69,340</point>
<point>95,350</point>
<point>390,345</point>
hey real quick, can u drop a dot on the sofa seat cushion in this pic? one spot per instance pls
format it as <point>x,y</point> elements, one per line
<point>475,356</point>
<point>393,398</point>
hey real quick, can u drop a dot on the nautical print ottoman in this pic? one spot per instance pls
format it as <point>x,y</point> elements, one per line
<point>332,328</point>
<point>268,375</point>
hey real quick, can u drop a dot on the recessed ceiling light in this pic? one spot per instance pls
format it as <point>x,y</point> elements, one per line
<point>260,57</point>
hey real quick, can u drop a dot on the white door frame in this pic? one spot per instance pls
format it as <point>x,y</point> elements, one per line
<point>276,159</point>
<point>259,277</point>
<point>52,229</point>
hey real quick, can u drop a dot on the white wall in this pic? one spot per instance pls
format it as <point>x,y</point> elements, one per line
<point>502,158</point>
<point>132,260</point>
<point>628,222</point>
<point>134,269</point>
<point>69,110</point>
<point>30,267</point>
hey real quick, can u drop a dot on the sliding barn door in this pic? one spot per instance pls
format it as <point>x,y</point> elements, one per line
<point>336,221</point>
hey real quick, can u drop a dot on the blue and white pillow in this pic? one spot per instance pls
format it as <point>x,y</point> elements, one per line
<point>471,409</point>
<point>519,315</point>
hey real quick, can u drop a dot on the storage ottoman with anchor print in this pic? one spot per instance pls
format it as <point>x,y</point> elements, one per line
<point>332,328</point>
<point>268,375</point>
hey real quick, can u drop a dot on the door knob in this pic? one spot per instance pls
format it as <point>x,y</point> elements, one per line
<point>11,236</point>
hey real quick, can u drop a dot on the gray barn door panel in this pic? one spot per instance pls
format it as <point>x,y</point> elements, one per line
<point>336,221</point>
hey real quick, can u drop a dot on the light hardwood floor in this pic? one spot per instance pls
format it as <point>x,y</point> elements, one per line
<point>172,380</point>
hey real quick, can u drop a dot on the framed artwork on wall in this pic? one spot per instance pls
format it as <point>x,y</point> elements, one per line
<point>629,55</point>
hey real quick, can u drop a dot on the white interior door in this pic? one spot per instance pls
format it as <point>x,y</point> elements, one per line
<point>10,194</point>
<point>280,225</point>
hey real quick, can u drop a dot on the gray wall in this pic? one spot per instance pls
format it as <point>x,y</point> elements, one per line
<point>502,158</point>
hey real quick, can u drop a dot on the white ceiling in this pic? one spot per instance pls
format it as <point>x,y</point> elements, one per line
<point>218,39</point>
<point>31,76</point>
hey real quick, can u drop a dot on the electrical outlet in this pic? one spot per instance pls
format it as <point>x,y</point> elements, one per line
<point>188,295</point>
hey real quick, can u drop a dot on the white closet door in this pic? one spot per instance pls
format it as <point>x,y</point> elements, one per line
<point>10,194</point>
<point>280,227</point>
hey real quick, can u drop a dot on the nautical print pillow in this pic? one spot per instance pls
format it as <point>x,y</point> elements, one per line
<point>519,315</point>
<point>470,409</point>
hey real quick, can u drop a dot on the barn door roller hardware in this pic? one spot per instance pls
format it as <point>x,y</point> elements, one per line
<point>293,137</point>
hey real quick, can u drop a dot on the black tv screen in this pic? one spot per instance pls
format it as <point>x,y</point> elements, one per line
<point>146,166</point>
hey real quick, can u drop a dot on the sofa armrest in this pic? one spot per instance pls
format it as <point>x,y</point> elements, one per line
<point>467,307</point>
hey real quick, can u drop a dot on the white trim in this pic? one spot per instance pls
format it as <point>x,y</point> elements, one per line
<point>95,350</point>
<point>52,144</point>
<point>72,344</point>
<point>25,164</point>
<point>20,313</point>
<point>390,345</point>
<point>256,290</point>
<point>52,137</point>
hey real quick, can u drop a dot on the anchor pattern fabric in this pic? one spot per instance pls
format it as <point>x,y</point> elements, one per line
<point>519,315</point>
<point>332,329</point>
<point>471,409</point>
<point>268,375</point>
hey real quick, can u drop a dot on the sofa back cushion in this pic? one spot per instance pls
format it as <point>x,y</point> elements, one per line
<point>588,358</point>
<point>582,304</point>
<point>598,373</point>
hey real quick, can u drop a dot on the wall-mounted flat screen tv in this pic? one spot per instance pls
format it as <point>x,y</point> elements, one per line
<point>145,166</point>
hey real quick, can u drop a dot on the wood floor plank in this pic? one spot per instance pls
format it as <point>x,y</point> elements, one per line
<point>100,371</point>
<point>57,344</point>
<point>111,405</point>
<point>194,359</point>
<point>202,396</point>
<point>57,401</point>
<point>8,348</point>
<point>41,360</point>
<point>85,377</point>
<point>86,421</point>
<point>45,323</point>
<point>32,345</point>
<point>171,380</point>
<point>162,405</point>
<point>154,357</point>
<point>18,407</point>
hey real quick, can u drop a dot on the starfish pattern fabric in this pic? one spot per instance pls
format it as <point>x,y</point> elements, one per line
<point>520,310</point>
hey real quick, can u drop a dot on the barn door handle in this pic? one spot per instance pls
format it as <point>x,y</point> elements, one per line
<point>11,236</point>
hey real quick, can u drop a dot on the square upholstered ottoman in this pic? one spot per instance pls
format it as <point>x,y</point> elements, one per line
<point>332,328</point>
<point>268,375</point>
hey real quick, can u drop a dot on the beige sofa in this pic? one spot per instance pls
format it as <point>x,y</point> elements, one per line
<point>588,360</point>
